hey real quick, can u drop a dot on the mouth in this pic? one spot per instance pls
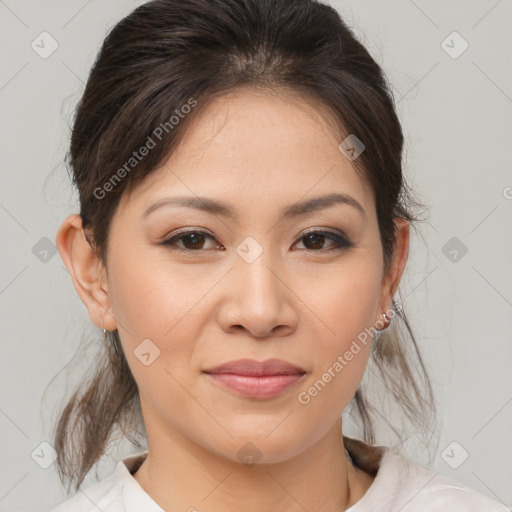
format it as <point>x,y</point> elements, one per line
<point>254,379</point>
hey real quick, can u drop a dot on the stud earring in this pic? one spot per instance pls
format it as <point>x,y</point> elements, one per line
<point>387,321</point>
<point>104,330</point>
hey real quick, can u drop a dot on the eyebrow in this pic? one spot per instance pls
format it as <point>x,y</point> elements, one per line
<point>219,208</point>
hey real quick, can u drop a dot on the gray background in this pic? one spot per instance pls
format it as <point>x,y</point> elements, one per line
<point>456,113</point>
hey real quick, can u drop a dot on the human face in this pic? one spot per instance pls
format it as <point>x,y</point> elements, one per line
<point>250,285</point>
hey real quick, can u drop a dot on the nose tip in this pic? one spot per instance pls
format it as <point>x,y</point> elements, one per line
<point>258,329</point>
<point>262,333</point>
<point>273,319</point>
<point>257,300</point>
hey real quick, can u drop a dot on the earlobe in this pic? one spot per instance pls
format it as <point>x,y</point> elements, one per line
<point>86,270</point>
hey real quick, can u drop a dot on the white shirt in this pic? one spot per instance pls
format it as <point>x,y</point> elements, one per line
<point>399,485</point>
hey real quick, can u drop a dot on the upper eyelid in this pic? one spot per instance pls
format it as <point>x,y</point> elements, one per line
<point>303,233</point>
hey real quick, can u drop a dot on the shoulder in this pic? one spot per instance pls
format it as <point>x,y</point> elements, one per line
<point>401,485</point>
<point>419,489</point>
<point>119,492</point>
<point>106,496</point>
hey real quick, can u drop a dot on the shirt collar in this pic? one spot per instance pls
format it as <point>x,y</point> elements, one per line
<point>363,455</point>
<point>134,496</point>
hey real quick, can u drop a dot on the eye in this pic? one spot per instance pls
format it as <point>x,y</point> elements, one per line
<point>315,239</point>
<point>191,241</point>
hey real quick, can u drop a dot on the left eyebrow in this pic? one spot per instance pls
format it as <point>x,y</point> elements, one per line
<point>219,208</point>
<point>320,203</point>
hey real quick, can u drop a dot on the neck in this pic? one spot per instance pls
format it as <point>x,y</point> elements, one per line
<point>181,475</point>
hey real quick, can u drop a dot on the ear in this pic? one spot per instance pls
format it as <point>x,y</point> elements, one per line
<point>86,271</point>
<point>399,260</point>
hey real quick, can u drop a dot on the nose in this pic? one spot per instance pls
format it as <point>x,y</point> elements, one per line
<point>258,299</point>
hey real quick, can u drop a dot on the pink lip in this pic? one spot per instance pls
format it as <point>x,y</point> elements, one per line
<point>266,379</point>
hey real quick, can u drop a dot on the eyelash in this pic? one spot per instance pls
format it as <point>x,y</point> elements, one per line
<point>341,242</point>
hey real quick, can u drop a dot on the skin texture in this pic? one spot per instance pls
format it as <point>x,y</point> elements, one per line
<point>301,300</point>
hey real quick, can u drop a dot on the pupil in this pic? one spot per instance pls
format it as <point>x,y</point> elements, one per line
<point>318,238</point>
<point>195,238</point>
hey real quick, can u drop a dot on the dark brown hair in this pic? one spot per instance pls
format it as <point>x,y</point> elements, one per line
<point>170,53</point>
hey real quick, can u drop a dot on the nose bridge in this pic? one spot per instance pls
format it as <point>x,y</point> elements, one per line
<point>255,267</point>
<point>258,300</point>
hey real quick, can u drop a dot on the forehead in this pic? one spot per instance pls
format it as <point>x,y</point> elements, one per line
<point>256,145</point>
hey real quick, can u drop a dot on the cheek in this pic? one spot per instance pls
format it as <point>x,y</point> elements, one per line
<point>346,306</point>
<point>345,299</point>
<point>156,318</point>
<point>152,303</point>
<point>150,298</point>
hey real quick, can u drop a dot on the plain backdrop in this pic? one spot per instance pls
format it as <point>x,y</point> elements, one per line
<point>450,67</point>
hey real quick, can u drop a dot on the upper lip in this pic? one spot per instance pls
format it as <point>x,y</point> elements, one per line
<point>257,368</point>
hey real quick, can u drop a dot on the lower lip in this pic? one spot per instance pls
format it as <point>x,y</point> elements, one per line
<point>268,386</point>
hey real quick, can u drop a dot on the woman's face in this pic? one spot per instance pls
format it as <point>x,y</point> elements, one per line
<point>250,282</point>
